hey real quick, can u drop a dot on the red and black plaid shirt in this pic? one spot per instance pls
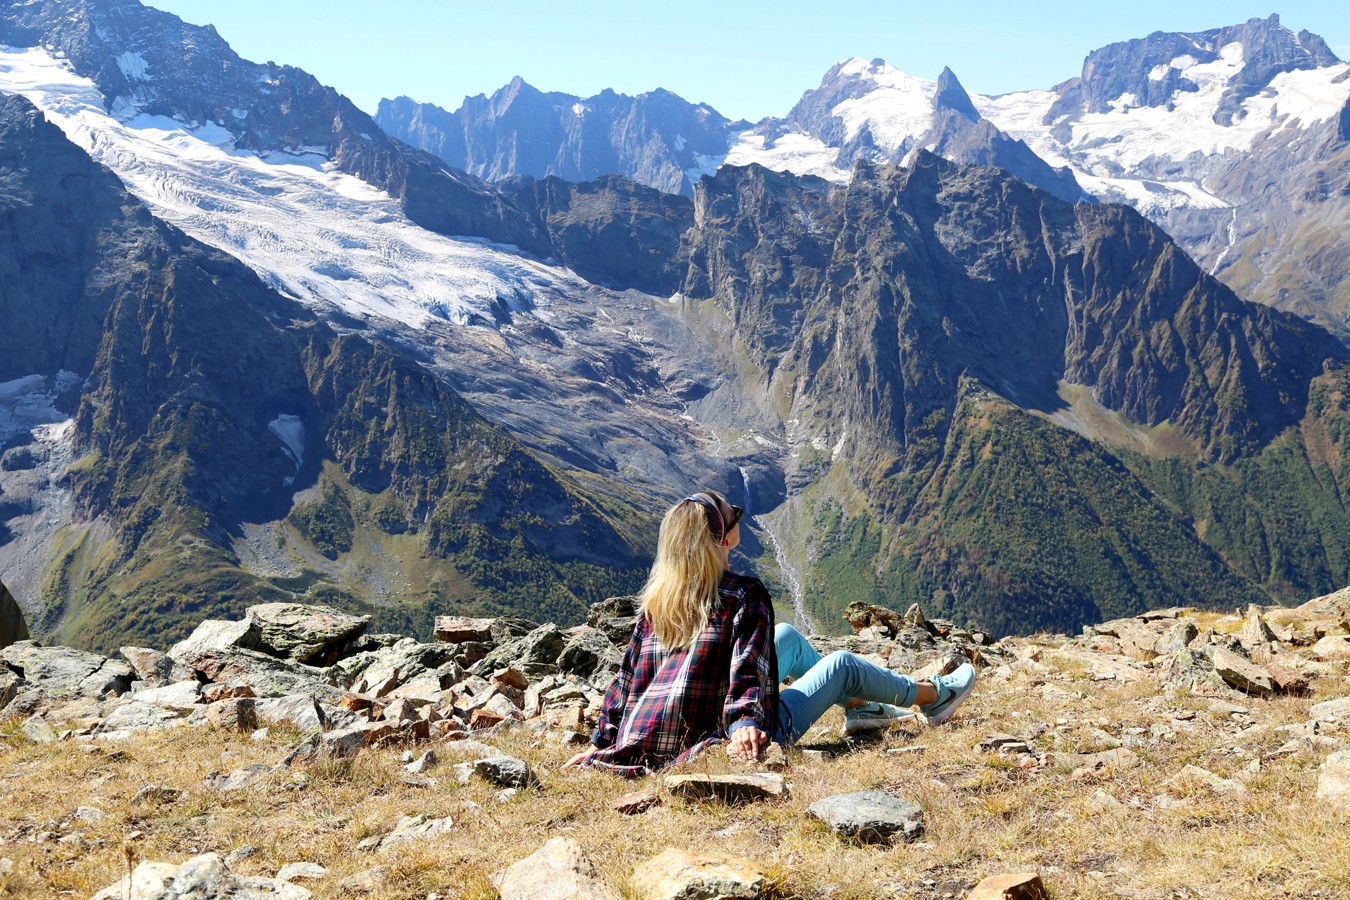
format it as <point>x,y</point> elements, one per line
<point>664,707</point>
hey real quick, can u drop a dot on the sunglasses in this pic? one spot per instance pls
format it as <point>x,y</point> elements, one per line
<point>727,523</point>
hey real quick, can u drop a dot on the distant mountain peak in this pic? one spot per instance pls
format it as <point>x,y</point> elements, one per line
<point>951,95</point>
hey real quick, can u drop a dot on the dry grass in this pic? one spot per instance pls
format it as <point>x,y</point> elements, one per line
<point>985,815</point>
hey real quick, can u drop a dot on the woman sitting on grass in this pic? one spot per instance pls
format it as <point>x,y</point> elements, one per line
<point>705,660</point>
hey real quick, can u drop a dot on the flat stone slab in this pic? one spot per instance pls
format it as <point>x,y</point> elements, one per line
<point>684,875</point>
<point>1331,711</point>
<point>1243,674</point>
<point>731,789</point>
<point>872,817</point>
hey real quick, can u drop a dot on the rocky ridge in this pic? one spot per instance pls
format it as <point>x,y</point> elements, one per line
<point>317,674</point>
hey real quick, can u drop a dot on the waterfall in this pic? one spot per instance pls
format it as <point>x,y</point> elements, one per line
<point>787,571</point>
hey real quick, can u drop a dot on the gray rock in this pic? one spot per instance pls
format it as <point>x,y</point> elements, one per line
<point>870,816</point>
<point>268,676</point>
<point>63,672</point>
<point>1176,638</point>
<point>180,697</point>
<point>302,633</point>
<point>1243,674</point>
<point>10,685</point>
<point>215,634</point>
<point>248,776</point>
<point>155,794</point>
<point>367,881</point>
<point>506,771</point>
<point>590,653</point>
<point>300,711</point>
<point>298,870</point>
<point>557,871</point>
<point>685,875</point>
<point>131,716</point>
<point>1333,781</point>
<point>203,877</point>
<point>37,730</point>
<point>409,828</point>
<point>1331,711</point>
<point>1191,668</point>
<point>154,668</point>
<point>732,789</point>
<point>535,654</point>
<point>612,607</point>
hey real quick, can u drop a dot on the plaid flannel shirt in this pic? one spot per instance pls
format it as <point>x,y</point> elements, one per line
<point>665,707</point>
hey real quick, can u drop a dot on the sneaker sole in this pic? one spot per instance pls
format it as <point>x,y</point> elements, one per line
<point>866,726</point>
<point>952,704</point>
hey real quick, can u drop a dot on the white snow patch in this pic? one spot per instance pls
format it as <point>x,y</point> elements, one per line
<point>291,432</point>
<point>579,109</point>
<point>680,142</point>
<point>309,231</point>
<point>896,111</point>
<point>239,113</point>
<point>30,401</point>
<point>800,154</point>
<point>133,66</point>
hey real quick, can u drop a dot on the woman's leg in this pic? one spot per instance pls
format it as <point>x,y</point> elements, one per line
<point>795,655</point>
<point>833,681</point>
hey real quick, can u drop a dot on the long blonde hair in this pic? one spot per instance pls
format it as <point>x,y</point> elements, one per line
<point>681,591</point>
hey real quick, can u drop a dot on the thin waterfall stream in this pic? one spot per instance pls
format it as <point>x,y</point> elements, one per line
<point>800,617</point>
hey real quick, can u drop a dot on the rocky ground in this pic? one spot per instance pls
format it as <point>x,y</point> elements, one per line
<point>292,754</point>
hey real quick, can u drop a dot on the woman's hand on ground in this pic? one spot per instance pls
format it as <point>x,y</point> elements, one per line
<point>580,759</point>
<point>748,742</point>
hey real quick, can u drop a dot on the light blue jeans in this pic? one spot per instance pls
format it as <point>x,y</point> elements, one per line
<point>821,682</point>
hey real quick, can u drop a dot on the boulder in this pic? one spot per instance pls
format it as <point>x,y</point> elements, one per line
<point>866,615</point>
<point>613,607</point>
<point>459,629</point>
<point>1337,710</point>
<point>204,877</point>
<point>409,828</point>
<point>237,714</point>
<point>871,817</point>
<point>535,654</point>
<point>732,789</point>
<point>557,871</point>
<point>1019,886</point>
<point>685,875</point>
<point>505,771</point>
<point>1243,674</point>
<point>1333,646</point>
<point>590,653</point>
<point>131,716</point>
<point>1333,781</point>
<point>154,668</point>
<point>1175,638</point>
<point>1191,668</point>
<point>300,711</point>
<point>215,634</point>
<point>63,673</point>
<point>303,633</point>
<point>268,676</point>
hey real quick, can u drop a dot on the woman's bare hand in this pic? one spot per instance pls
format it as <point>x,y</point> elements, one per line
<point>748,742</point>
<point>580,759</point>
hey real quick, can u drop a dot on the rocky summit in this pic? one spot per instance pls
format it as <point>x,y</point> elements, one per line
<point>294,753</point>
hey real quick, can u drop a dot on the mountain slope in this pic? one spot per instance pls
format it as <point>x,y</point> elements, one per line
<point>210,401</point>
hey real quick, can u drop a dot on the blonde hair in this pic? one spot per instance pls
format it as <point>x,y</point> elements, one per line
<point>681,591</point>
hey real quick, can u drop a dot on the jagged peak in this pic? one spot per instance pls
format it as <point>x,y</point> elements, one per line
<point>951,95</point>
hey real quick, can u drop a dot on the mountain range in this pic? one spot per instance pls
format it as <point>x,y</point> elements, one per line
<point>1232,139</point>
<point>270,351</point>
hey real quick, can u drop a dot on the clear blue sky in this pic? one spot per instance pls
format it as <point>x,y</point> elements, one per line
<point>746,59</point>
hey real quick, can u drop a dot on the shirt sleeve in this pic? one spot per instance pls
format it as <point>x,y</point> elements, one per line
<point>616,698</point>
<point>751,665</point>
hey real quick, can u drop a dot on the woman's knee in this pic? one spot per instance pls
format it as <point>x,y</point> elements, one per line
<point>784,630</point>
